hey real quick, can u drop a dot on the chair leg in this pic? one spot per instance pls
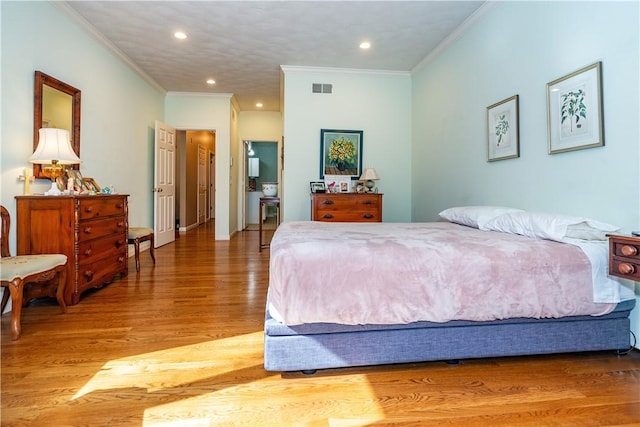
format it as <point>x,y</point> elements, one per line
<point>136,246</point>
<point>62,283</point>
<point>153,257</point>
<point>5,300</point>
<point>16,288</point>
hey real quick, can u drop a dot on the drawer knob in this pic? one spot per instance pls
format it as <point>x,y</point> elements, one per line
<point>119,205</point>
<point>88,252</point>
<point>367,202</point>
<point>327,216</point>
<point>367,216</point>
<point>88,209</point>
<point>89,275</point>
<point>119,243</point>
<point>327,202</point>
<point>628,250</point>
<point>120,224</point>
<point>120,259</point>
<point>626,268</point>
<point>87,230</point>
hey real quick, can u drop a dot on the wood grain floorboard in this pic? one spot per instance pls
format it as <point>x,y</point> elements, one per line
<point>180,344</point>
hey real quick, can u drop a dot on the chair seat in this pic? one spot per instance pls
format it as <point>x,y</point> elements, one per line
<point>138,235</point>
<point>137,232</point>
<point>27,265</point>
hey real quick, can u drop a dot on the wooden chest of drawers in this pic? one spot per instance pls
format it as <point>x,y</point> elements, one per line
<point>90,230</point>
<point>346,207</point>
<point>624,257</point>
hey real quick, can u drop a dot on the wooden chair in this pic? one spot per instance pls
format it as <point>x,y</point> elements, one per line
<point>45,275</point>
<point>138,235</point>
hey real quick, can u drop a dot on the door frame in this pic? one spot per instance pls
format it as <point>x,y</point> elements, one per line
<point>212,185</point>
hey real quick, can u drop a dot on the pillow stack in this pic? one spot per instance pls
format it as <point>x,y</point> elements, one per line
<point>532,224</point>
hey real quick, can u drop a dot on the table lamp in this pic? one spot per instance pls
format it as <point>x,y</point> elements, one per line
<point>54,149</point>
<point>369,175</point>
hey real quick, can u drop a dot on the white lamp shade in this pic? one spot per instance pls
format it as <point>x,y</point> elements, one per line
<point>54,144</point>
<point>369,174</point>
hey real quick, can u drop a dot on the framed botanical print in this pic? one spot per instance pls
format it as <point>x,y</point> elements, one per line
<point>503,140</point>
<point>574,108</point>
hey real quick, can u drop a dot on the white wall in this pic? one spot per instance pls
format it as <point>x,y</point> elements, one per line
<point>377,103</point>
<point>201,111</point>
<point>517,48</point>
<point>118,106</point>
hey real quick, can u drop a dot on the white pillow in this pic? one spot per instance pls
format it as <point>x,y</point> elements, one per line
<point>550,226</point>
<point>475,216</point>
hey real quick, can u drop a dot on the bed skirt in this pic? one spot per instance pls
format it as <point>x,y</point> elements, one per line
<point>322,346</point>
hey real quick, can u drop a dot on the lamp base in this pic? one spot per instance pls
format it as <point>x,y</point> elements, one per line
<point>53,191</point>
<point>369,184</point>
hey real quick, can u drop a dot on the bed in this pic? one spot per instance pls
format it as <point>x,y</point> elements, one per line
<point>357,294</point>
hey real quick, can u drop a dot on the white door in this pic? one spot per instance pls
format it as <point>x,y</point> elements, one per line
<point>164,185</point>
<point>202,184</point>
<point>212,185</point>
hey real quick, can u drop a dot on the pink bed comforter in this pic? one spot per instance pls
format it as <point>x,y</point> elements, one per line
<point>395,273</point>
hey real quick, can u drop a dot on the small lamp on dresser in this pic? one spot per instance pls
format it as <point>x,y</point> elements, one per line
<point>54,149</point>
<point>369,175</point>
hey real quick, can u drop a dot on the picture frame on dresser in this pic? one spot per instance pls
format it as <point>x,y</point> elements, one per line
<point>503,130</point>
<point>574,110</point>
<point>341,153</point>
<point>317,187</point>
<point>78,180</point>
<point>92,185</point>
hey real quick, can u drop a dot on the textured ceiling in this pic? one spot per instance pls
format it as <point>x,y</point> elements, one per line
<point>241,44</point>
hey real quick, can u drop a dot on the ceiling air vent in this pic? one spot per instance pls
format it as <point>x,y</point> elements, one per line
<point>321,88</point>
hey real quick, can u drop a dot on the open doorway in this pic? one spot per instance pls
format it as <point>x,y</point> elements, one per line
<point>196,152</point>
<point>261,166</point>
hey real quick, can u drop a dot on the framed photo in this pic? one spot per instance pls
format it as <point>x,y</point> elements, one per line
<point>359,187</point>
<point>78,180</point>
<point>317,187</point>
<point>341,153</point>
<point>91,185</point>
<point>344,186</point>
<point>503,130</point>
<point>574,108</point>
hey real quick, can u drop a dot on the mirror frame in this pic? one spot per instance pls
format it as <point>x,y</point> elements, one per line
<point>42,79</point>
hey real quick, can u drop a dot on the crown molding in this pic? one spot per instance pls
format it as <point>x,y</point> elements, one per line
<point>200,94</point>
<point>305,69</point>
<point>70,13</point>
<point>455,35</point>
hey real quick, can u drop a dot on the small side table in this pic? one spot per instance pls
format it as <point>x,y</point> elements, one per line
<point>268,201</point>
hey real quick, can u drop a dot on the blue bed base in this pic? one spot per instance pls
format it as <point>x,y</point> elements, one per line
<point>321,346</point>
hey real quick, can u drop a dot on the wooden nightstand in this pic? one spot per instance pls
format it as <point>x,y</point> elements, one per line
<point>346,207</point>
<point>624,257</point>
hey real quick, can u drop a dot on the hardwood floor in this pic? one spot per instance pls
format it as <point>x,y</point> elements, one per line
<point>180,344</point>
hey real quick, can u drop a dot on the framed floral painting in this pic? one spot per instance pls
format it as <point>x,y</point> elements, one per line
<point>503,140</point>
<point>341,153</point>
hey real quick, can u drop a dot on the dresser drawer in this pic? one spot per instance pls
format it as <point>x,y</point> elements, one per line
<point>99,206</point>
<point>95,274</point>
<point>340,202</point>
<point>94,229</point>
<point>624,257</point>
<point>348,216</point>
<point>91,250</point>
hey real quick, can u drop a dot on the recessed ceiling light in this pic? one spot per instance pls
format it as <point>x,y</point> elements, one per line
<point>211,82</point>
<point>259,104</point>
<point>180,35</point>
<point>365,45</point>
